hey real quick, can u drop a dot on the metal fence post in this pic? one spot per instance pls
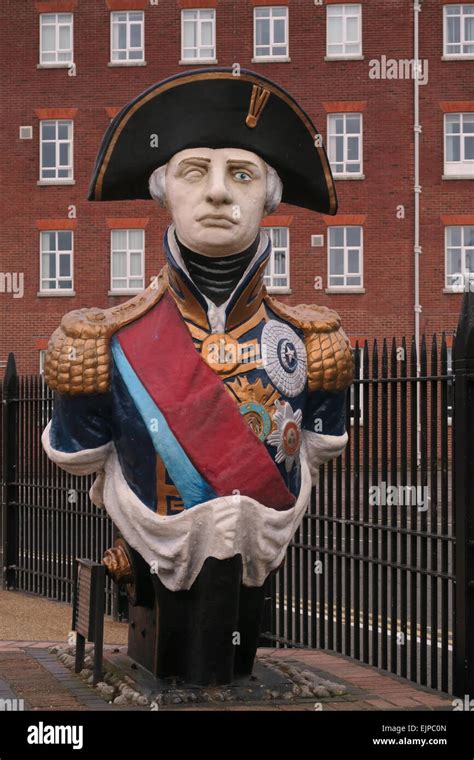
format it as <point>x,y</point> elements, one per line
<point>463,464</point>
<point>8,515</point>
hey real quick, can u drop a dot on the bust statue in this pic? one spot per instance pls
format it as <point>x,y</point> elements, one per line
<point>204,405</point>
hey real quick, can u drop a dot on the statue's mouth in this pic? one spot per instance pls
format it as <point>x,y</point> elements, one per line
<point>217,220</point>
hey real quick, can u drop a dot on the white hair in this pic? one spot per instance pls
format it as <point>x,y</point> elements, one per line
<point>157,187</point>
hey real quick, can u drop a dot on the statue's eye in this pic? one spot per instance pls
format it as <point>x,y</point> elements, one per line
<point>194,173</point>
<point>242,176</point>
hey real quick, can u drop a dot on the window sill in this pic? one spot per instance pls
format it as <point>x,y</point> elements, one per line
<point>457,176</point>
<point>193,61</point>
<point>55,65</point>
<point>118,64</point>
<point>279,291</point>
<point>457,291</point>
<point>124,292</point>
<point>271,59</point>
<point>55,182</point>
<point>345,290</point>
<point>55,293</point>
<point>348,176</point>
<point>344,57</point>
<point>458,57</point>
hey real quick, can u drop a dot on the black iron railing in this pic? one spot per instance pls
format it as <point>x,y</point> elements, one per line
<point>49,519</point>
<point>369,573</point>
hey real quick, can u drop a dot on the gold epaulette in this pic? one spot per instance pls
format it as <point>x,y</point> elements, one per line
<point>330,360</point>
<point>78,358</point>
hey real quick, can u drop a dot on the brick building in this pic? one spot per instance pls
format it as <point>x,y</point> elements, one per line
<point>69,65</point>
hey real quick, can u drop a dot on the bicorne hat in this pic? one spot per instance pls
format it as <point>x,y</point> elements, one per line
<point>214,108</point>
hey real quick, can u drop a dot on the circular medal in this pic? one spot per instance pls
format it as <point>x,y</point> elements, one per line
<point>257,418</point>
<point>221,352</point>
<point>287,355</point>
<point>284,358</point>
<point>290,438</point>
<point>287,436</point>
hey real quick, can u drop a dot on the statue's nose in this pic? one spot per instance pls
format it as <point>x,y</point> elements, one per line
<point>217,189</point>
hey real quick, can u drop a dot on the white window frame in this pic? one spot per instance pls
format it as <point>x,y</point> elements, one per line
<point>58,141</point>
<point>57,289</point>
<point>42,359</point>
<point>284,56</point>
<point>345,135</point>
<point>348,11</point>
<point>450,389</point>
<point>361,390</point>
<point>464,167</point>
<point>46,400</point>
<point>345,286</point>
<point>127,61</point>
<point>271,263</point>
<point>199,21</point>
<point>127,289</point>
<point>57,24</point>
<point>460,286</point>
<point>462,41</point>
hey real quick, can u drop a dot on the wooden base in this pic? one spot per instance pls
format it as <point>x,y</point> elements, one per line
<point>207,635</point>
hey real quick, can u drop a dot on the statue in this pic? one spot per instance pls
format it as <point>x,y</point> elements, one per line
<point>204,405</point>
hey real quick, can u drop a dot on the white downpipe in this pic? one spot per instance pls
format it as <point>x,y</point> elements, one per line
<point>417,191</point>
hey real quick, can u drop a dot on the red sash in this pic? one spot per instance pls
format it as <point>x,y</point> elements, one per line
<point>199,410</point>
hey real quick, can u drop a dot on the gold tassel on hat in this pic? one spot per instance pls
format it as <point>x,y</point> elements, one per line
<point>258,102</point>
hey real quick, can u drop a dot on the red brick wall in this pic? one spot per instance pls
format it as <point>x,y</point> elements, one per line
<point>385,308</point>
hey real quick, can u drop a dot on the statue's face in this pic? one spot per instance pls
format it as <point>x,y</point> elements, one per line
<point>216,198</point>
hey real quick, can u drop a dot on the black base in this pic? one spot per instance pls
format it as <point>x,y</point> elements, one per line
<point>207,635</point>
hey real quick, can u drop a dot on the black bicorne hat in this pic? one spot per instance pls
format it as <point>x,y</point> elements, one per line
<point>214,108</point>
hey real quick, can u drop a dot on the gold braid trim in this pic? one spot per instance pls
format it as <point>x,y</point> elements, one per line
<point>330,360</point>
<point>78,358</point>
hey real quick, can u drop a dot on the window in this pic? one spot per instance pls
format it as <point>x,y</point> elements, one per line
<point>358,354</point>
<point>42,359</point>
<point>127,39</point>
<point>198,35</point>
<point>128,253</point>
<point>459,256</point>
<point>271,32</point>
<point>345,143</point>
<point>56,260</point>
<point>450,383</point>
<point>459,144</point>
<point>46,399</point>
<point>276,275</point>
<point>345,257</point>
<point>56,150</point>
<point>56,39</point>
<point>459,30</point>
<point>344,31</point>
